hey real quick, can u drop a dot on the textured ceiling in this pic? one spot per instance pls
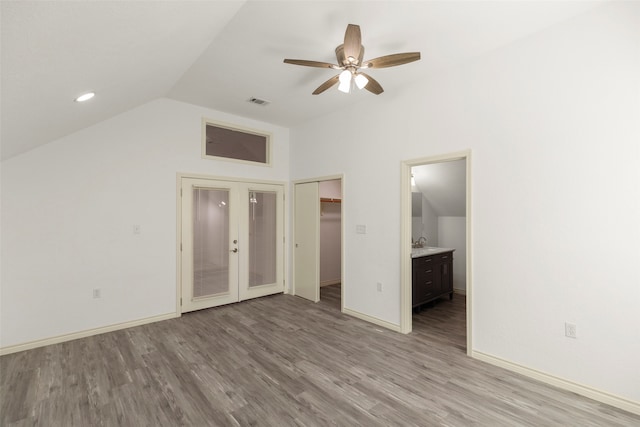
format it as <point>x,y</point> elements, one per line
<point>218,54</point>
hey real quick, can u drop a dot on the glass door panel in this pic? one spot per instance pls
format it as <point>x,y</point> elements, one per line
<point>210,242</point>
<point>262,238</point>
<point>209,249</point>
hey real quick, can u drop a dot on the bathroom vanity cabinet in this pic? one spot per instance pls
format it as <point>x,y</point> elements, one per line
<point>432,274</point>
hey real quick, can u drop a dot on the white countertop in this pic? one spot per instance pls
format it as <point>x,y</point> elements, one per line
<point>418,252</point>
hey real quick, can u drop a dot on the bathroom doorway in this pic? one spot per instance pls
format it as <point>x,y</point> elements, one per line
<point>436,213</point>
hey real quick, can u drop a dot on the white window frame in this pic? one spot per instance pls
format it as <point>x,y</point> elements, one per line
<point>237,128</point>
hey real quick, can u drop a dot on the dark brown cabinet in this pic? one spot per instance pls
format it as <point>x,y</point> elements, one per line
<point>432,277</point>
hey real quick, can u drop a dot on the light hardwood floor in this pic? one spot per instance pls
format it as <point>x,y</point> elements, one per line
<point>282,361</point>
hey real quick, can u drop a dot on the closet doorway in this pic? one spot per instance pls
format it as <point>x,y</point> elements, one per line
<point>318,242</point>
<point>331,242</point>
<point>231,237</point>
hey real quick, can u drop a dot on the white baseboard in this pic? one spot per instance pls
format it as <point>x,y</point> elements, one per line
<point>82,334</point>
<point>371,319</point>
<point>590,392</point>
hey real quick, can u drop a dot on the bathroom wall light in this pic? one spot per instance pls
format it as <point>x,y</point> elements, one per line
<point>85,97</point>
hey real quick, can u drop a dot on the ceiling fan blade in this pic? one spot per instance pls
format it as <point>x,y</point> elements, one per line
<point>352,42</point>
<point>311,63</point>
<point>326,85</point>
<point>373,86</point>
<point>391,60</point>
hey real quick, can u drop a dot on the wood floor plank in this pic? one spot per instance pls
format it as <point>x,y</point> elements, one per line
<point>283,361</point>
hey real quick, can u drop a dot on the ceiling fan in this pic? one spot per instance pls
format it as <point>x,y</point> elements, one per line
<point>349,56</point>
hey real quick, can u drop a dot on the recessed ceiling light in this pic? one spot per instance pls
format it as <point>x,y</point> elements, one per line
<point>85,97</point>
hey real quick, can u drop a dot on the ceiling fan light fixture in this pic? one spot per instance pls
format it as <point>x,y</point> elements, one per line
<point>345,77</point>
<point>345,81</point>
<point>361,81</point>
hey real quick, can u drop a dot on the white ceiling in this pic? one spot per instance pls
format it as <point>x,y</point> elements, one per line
<point>218,54</point>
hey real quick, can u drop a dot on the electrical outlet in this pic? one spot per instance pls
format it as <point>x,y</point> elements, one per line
<point>96,293</point>
<point>570,330</point>
<point>379,287</point>
<point>136,229</point>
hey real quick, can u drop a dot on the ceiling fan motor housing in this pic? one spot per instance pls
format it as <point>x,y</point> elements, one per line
<point>342,60</point>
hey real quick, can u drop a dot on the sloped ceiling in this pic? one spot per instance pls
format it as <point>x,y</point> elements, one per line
<point>218,54</point>
<point>444,186</point>
<point>127,52</point>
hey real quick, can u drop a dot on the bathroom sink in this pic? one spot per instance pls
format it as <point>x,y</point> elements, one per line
<point>428,251</point>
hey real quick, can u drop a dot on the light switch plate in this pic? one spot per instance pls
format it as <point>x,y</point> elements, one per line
<point>361,229</point>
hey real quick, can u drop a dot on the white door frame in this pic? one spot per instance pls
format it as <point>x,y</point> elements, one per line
<point>405,240</point>
<point>179,177</point>
<point>342,228</point>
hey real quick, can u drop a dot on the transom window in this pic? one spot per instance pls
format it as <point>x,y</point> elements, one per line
<point>227,142</point>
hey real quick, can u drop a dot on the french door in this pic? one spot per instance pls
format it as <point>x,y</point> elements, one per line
<point>232,237</point>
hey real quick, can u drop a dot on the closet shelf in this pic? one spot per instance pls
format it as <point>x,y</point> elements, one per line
<point>330,200</point>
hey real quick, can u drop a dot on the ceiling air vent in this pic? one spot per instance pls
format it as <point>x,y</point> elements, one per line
<point>259,101</point>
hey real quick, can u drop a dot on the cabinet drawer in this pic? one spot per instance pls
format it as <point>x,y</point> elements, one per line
<point>423,294</point>
<point>424,261</point>
<point>448,257</point>
<point>422,274</point>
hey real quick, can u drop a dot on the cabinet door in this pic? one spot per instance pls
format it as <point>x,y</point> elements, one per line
<point>446,269</point>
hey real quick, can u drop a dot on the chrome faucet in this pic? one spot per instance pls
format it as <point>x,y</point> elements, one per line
<point>420,243</point>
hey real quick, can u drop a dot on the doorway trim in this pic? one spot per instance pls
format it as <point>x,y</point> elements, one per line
<point>179,177</point>
<point>405,239</point>
<point>342,229</point>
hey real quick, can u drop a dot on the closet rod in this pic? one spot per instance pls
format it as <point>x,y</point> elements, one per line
<point>330,200</point>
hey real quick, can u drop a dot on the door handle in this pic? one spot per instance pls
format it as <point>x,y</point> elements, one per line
<point>234,250</point>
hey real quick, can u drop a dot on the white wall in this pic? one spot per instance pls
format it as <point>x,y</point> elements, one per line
<point>68,210</point>
<point>553,124</point>
<point>330,189</point>
<point>452,234</point>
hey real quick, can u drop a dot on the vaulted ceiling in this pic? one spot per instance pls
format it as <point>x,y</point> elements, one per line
<point>218,54</point>
<point>444,186</point>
